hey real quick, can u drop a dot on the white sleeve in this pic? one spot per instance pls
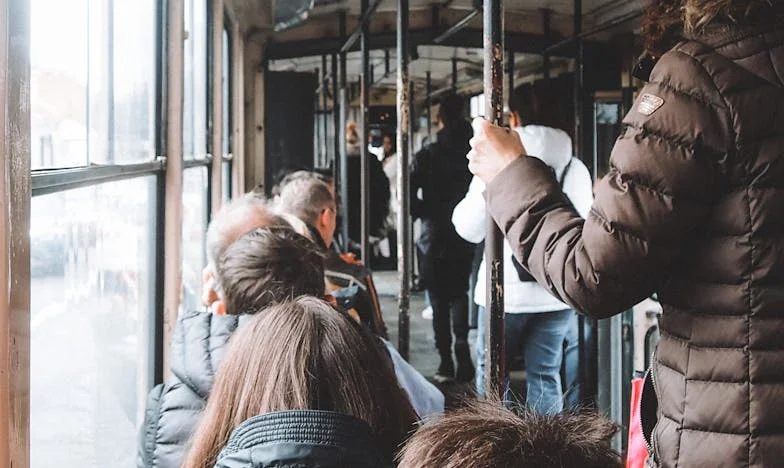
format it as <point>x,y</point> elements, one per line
<point>426,399</point>
<point>578,186</point>
<point>469,215</point>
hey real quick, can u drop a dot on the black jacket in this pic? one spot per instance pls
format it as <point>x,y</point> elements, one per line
<point>303,439</point>
<point>379,196</point>
<point>173,409</point>
<point>440,170</point>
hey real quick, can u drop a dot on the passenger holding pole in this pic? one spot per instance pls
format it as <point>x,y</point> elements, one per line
<point>534,320</point>
<point>691,210</point>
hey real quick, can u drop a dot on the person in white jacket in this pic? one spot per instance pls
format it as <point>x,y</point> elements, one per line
<point>534,319</point>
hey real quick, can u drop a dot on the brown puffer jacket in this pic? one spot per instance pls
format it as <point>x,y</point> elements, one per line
<point>693,209</point>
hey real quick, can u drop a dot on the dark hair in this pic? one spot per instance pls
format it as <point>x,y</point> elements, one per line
<point>485,434</point>
<point>451,109</point>
<point>267,266</point>
<point>666,21</point>
<point>302,355</point>
<point>541,103</point>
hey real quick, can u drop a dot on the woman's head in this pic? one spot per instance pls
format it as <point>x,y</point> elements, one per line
<point>666,21</point>
<point>540,103</point>
<point>302,354</point>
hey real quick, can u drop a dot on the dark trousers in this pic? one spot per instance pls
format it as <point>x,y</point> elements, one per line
<point>450,315</point>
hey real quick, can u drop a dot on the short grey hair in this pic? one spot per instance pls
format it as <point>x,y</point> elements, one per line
<point>238,217</point>
<point>306,198</point>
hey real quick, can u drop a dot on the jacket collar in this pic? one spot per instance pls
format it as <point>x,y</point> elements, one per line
<point>309,437</point>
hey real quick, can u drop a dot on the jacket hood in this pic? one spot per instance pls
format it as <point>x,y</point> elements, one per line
<point>303,438</point>
<point>198,345</point>
<point>552,146</point>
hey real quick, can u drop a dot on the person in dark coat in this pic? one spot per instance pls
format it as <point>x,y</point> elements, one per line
<point>302,385</point>
<point>690,210</point>
<point>379,191</point>
<point>440,172</point>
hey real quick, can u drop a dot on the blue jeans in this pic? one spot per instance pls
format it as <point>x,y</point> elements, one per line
<point>571,365</point>
<point>542,337</point>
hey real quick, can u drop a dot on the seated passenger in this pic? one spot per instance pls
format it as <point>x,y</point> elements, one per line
<point>302,385</point>
<point>311,197</point>
<point>485,435</point>
<point>200,337</point>
<point>310,200</point>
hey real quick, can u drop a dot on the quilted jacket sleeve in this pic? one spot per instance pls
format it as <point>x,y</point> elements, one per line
<point>666,173</point>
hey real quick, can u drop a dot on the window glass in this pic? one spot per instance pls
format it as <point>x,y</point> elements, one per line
<point>194,223</point>
<point>91,300</point>
<point>92,82</point>
<point>134,80</point>
<point>195,80</point>
<point>226,186</point>
<point>58,83</point>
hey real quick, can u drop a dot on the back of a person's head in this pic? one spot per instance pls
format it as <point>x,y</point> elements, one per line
<point>241,215</point>
<point>666,21</point>
<point>268,266</point>
<point>452,109</point>
<point>302,355</point>
<point>306,198</point>
<point>485,435</point>
<point>541,103</point>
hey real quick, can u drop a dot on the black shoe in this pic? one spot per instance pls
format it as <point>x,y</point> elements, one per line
<point>465,366</point>
<point>446,370</point>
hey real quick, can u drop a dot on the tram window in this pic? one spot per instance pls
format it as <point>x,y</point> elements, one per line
<point>477,106</point>
<point>194,223</point>
<point>58,83</point>
<point>92,103</point>
<point>194,135</point>
<point>91,296</point>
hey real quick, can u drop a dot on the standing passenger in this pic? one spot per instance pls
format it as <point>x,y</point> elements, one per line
<point>439,171</point>
<point>691,209</point>
<point>535,320</point>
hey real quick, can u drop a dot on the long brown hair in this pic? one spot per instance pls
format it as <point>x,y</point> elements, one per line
<point>666,21</point>
<point>302,355</point>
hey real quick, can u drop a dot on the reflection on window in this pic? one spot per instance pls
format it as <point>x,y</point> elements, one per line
<point>194,135</point>
<point>226,185</point>
<point>91,299</point>
<point>477,105</point>
<point>91,101</point>
<point>194,223</point>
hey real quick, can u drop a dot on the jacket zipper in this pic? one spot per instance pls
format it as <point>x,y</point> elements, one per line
<point>649,445</point>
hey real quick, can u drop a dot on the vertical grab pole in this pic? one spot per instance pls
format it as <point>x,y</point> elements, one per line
<point>323,115</point>
<point>454,74</point>
<point>511,70</point>
<point>494,246</point>
<point>363,138</point>
<point>428,103</point>
<point>335,119</point>
<point>403,180</point>
<point>546,15</point>
<point>343,159</point>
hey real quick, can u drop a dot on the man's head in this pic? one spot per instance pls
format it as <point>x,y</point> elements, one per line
<point>267,266</point>
<point>451,110</point>
<point>234,219</point>
<point>312,201</point>
<point>388,145</point>
<point>485,434</point>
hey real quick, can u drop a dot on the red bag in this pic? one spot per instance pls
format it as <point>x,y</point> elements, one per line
<point>637,451</point>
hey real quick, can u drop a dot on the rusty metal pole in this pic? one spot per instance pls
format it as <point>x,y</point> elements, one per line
<point>323,116</point>
<point>364,86</point>
<point>335,119</point>
<point>403,180</point>
<point>511,70</point>
<point>428,103</point>
<point>494,245</point>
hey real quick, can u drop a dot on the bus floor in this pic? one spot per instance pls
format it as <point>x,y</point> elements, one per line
<point>422,352</point>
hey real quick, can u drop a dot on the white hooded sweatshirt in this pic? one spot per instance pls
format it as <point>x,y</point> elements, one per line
<point>554,148</point>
